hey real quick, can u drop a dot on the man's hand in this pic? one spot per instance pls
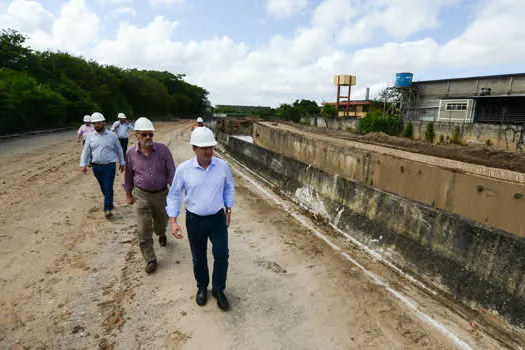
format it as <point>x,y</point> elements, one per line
<point>129,198</point>
<point>84,169</point>
<point>176,230</point>
<point>228,218</point>
<point>116,126</point>
<point>121,168</point>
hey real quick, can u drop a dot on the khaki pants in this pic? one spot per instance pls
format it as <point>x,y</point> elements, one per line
<point>150,209</point>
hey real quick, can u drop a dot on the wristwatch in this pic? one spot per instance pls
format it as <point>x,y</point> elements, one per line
<point>228,210</point>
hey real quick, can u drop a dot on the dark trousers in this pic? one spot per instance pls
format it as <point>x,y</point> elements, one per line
<point>199,229</point>
<point>105,175</point>
<point>123,144</point>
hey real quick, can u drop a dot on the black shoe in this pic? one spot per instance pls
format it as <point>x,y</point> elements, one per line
<point>151,267</point>
<point>163,240</point>
<point>202,296</point>
<point>222,301</point>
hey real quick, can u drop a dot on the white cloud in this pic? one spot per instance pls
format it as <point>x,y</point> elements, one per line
<point>26,17</point>
<point>397,20</point>
<point>74,29</point>
<point>120,2</point>
<point>284,8</point>
<point>166,2</point>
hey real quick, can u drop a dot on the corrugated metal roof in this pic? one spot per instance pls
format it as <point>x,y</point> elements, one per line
<point>471,78</point>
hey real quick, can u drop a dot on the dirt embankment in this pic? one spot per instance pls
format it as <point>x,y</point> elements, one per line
<point>480,155</point>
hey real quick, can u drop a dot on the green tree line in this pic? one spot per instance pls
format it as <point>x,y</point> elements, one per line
<point>40,90</point>
<point>291,112</point>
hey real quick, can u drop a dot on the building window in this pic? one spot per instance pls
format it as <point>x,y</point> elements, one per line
<point>456,107</point>
<point>365,108</point>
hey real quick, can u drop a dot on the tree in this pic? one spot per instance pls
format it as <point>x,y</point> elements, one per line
<point>429,132</point>
<point>289,112</point>
<point>391,100</point>
<point>27,105</point>
<point>409,130</point>
<point>63,88</point>
<point>307,107</point>
<point>329,111</point>
<point>13,53</point>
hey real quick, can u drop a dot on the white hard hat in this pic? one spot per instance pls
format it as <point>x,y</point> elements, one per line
<point>202,137</point>
<point>87,118</point>
<point>144,124</point>
<point>97,117</point>
<point>121,116</point>
<point>199,120</point>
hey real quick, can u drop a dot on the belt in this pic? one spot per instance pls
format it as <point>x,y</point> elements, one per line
<point>98,164</point>
<point>204,216</point>
<point>164,189</point>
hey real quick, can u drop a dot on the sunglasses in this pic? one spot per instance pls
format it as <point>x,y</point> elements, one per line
<point>146,134</point>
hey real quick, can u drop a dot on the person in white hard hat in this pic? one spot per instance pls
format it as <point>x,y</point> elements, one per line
<point>149,171</point>
<point>85,129</point>
<point>121,127</point>
<point>103,148</point>
<point>209,198</point>
<point>200,123</point>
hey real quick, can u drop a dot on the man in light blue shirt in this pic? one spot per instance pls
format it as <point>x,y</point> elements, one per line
<point>103,148</point>
<point>121,127</point>
<point>208,185</point>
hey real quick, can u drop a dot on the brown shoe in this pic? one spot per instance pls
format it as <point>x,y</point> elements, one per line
<point>108,214</point>
<point>151,267</point>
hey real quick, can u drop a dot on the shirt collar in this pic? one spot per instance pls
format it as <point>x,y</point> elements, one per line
<point>137,148</point>
<point>196,164</point>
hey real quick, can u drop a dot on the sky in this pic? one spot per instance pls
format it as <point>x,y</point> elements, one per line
<point>268,52</point>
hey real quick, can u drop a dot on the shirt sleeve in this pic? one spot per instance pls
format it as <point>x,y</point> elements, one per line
<point>174,199</point>
<point>128,176</point>
<point>130,126</point>
<point>170,167</point>
<point>80,131</point>
<point>86,152</point>
<point>113,127</point>
<point>120,153</point>
<point>229,189</point>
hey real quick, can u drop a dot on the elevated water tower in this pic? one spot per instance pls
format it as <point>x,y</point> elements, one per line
<point>344,81</point>
<point>407,93</point>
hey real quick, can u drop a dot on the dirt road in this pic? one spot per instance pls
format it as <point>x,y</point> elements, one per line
<point>72,279</point>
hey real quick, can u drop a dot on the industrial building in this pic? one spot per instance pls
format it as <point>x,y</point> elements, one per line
<point>495,99</point>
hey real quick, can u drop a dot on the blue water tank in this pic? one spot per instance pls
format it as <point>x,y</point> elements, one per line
<point>404,80</point>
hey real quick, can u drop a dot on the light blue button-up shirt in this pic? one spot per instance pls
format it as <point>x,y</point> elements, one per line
<point>122,130</point>
<point>103,149</point>
<point>206,190</point>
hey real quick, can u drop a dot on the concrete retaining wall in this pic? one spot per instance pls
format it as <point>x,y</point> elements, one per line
<point>495,197</point>
<point>474,263</point>
<point>500,138</point>
<point>344,123</point>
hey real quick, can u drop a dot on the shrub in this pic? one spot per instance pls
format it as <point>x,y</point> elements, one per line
<point>329,111</point>
<point>488,142</point>
<point>441,139</point>
<point>375,122</point>
<point>429,132</point>
<point>456,136</point>
<point>409,129</point>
